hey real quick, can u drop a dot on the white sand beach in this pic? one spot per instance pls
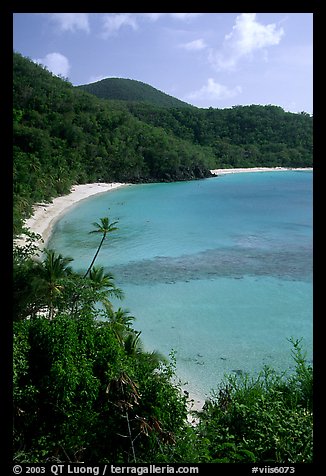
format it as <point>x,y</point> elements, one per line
<point>195,404</point>
<point>46,214</point>
<point>44,218</point>
<point>255,169</point>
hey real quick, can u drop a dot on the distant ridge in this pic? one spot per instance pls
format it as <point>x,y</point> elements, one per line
<point>64,135</point>
<point>131,90</point>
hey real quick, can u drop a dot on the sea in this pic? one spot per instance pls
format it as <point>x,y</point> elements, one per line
<point>217,272</point>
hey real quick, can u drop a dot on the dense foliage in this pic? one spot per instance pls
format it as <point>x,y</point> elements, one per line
<point>84,390</point>
<point>63,135</point>
<point>265,418</point>
<point>83,387</point>
<point>131,90</point>
<point>243,136</point>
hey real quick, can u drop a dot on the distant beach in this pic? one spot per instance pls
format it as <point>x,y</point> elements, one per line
<point>255,169</point>
<point>46,214</point>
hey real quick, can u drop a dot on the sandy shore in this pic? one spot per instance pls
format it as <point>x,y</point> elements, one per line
<point>46,214</point>
<point>255,169</point>
<point>195,403</point>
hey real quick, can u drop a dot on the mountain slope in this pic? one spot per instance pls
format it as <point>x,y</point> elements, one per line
<point>131,90</point>
<point>64,136</point>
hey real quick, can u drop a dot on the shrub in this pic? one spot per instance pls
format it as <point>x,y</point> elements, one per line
<point>267,418</point>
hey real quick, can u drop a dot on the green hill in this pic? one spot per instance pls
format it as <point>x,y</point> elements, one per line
<point>131,90</point>
<point>63,135</point>
<point>241,136</point>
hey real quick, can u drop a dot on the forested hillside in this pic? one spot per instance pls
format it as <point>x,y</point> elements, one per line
<point>64,136</point>
<point>243,136</point>
<point>131,90</point>
<point>84,389</point>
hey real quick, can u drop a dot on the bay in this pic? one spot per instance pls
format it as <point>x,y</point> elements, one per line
<point>218,270</point>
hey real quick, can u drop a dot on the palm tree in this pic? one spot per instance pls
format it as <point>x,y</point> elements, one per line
<point>104,227</point>
<point>132,344</point>
<point>122,317</point>
<point>120,322</point>
<point>126,396</point>
<point>49,276</point>
<point>104,281</point>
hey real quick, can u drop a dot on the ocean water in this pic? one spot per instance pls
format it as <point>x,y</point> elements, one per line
<point>217,270</point>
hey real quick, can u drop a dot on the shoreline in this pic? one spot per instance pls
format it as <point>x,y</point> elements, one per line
<point>195,404</point>
<point>42,222</point>
<point>258,169</point>
<point>47,214</point>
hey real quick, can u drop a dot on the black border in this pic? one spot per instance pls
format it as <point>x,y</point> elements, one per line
<point>6,31</point>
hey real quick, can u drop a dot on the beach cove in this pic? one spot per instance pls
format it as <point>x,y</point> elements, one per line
<point>241,279</point>
<point>45,215</point>
<point>258,169</point>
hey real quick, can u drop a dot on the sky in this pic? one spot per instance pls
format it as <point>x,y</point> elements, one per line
<point>214,60</point>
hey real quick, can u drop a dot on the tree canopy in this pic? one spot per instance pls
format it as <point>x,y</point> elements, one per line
<point>86,391</point>
<point>131,90</point>
<point>63,135</point>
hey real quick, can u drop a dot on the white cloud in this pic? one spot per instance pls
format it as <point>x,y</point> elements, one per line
<point>71,21</point>
<point>176,16</point>
<point>249,35</point>
<point>246,37</point>
<point>57,63</point>
<point>194,45</point>
<point>214,91</point>
<point>113,22</point>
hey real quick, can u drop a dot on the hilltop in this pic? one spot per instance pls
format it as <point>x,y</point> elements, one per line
<point>131,90</point>
<point>64,135</point>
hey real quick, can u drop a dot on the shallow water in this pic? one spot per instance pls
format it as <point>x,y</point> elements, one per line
<point>220,270</point>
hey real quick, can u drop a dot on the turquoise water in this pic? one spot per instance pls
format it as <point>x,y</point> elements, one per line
<point>218,270</point>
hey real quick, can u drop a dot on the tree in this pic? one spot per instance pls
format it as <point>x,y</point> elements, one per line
<point>101,281</point>
<point>48,278</point>
<point>120,321</point>
<point>63,136</point>
<point>103,227</point>
<point>261,418</point>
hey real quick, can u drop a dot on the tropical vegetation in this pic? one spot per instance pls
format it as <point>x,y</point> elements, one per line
<point>64,135</point>
<point>131,90</point>
<point>85,390</point>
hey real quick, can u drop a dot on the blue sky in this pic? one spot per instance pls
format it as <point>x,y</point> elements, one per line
<point>206,59</point>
